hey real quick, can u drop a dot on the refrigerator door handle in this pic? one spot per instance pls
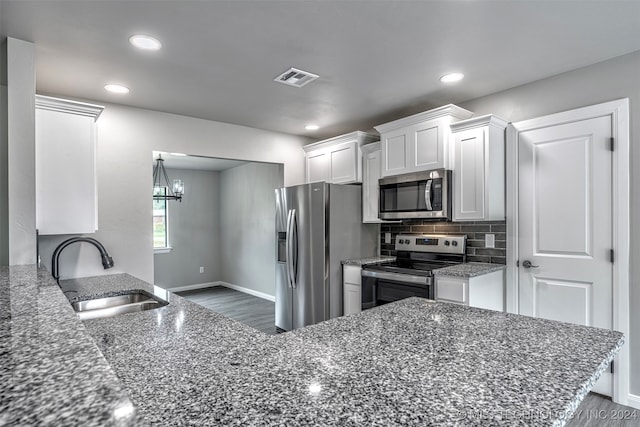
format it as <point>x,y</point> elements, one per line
<point>294,249</point>
<point>288,247</point>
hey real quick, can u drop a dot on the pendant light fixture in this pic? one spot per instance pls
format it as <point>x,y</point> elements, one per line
<point>174,189</point>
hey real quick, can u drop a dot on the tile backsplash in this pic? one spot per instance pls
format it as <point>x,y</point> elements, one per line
<point>475,231</point>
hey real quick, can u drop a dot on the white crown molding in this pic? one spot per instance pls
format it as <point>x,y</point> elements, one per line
<point>488,120</point>
<point>360,137</point>
<point>371,147</point>
<point>449,110</point>
<point>66,106</point>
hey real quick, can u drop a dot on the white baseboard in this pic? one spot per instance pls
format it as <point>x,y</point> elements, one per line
<point>634,401</point>
<point>196,286</point>
<point>258,294</point>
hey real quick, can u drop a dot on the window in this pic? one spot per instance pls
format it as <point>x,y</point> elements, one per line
<point>160,222</point>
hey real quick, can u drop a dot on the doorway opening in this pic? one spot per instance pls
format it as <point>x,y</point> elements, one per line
<point>221,234</point>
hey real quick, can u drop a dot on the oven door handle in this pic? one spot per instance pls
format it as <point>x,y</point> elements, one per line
<point>420,280</point>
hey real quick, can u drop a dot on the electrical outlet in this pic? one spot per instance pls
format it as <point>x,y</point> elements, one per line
<point>201,269</point>
<point>387,238</point>
<point>489,240</point>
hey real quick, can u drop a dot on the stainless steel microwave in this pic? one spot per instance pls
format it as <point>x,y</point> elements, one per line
<point>416,195</point>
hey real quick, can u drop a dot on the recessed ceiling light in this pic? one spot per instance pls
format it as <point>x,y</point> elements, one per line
<point>145,42</point>
<point>452,77</point>
<point>117,88</point>
<point>312,127</point>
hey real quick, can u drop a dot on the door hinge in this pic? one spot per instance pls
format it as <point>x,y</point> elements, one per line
<point>611,366</point>
<point>612,256</point>
<point>612,144</point>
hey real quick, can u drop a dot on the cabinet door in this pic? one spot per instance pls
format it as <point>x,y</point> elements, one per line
<point>344,163</point>
<point>452,289</point>
<point>469,175</point>
<point>65,173</point>
<point>351,291</point>
<point>370,187</point>
<point>487,291</point>
<point>395,153</point>
<point>352,299</point>
<point>429,146</point>
<point>318,166</point>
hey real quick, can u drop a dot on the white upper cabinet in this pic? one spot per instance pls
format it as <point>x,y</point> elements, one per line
<point>66,193</point>
<point>371,161</point>
<point>479,169</point>
<point>419,142</point>
<point>337,160</point>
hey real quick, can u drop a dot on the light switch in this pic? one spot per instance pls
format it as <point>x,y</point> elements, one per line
<point>489,240</point>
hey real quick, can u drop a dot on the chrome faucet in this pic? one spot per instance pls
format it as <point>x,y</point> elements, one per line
<point>107,261</point>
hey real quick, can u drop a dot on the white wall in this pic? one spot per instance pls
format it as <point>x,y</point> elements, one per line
<point>606,81</point>
<point>126,138</point>
<point>4,178</point>
<point>194,232</point>
<point>21,171</point>
<point>248,225</point>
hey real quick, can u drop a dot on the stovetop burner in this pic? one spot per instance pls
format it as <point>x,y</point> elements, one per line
<point>418,255</point>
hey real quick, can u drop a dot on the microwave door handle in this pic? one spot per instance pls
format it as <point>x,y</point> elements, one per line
<point>427,194</point>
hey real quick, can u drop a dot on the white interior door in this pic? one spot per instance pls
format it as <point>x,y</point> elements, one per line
<point>565,224</point>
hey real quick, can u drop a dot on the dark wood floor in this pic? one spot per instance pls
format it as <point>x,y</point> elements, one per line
<point>595,410</point>
<point>252,311</point>
<point>600,411</point>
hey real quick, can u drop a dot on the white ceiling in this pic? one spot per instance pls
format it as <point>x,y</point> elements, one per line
<point>377,60</point>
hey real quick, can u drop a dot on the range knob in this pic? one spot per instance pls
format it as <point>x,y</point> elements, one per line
<point>400,241</point>
<point>454,243</point>
<point>446,243</point>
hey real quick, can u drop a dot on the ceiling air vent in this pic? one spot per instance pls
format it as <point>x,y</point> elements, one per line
<point>295,77</point>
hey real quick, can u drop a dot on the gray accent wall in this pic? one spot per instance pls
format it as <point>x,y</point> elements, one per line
<point>194,232</point>
<point>247,225</point>
<point>602,82</point>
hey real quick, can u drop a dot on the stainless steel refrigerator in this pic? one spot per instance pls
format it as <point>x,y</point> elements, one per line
<point>318,225</point>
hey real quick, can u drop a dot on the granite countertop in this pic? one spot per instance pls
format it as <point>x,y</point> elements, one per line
<point>51,371</point>
<point>369,260</point>
<point>469,269</point>
<point>412,362</point>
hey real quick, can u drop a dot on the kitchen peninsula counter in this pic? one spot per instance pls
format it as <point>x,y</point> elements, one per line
<point>412,362</point>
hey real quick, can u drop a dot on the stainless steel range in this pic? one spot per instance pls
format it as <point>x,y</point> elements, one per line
<point>412,272</point>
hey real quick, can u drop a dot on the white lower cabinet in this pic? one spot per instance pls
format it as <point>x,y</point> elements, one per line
<point>352,292</point>
<point>484,291</point>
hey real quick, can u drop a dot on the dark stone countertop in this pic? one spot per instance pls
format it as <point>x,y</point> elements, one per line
<point>412,362</point>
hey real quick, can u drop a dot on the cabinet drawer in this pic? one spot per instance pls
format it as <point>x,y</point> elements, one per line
<point>352,274</point>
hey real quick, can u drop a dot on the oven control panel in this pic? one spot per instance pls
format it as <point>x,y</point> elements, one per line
<point>436,243</point>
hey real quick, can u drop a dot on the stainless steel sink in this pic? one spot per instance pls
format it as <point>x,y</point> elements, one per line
<point>112,306</point>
